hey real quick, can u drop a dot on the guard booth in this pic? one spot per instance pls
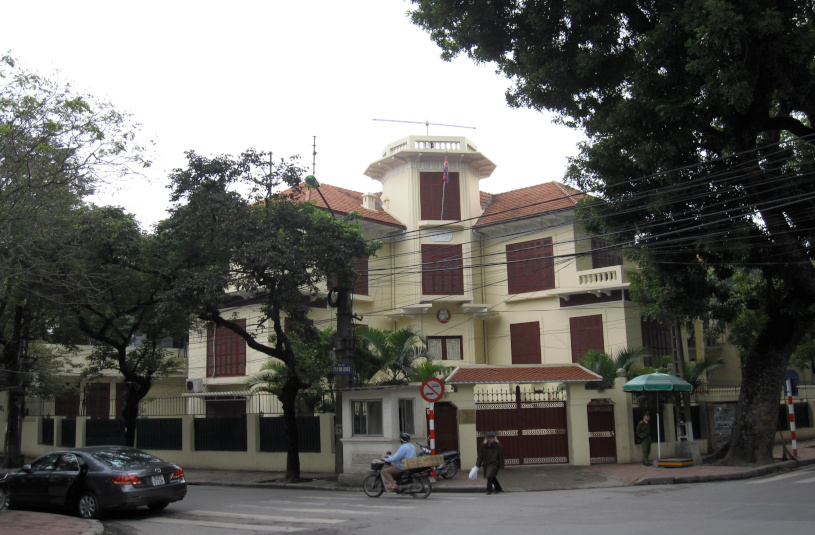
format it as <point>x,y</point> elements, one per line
<point>372,419</point>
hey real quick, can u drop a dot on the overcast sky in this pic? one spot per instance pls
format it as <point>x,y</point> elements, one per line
<point>221,77</point>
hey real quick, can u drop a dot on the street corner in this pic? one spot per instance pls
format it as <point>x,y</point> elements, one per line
<point>36,523</point>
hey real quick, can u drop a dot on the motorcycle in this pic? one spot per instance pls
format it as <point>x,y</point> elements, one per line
<point>452,462</point>
<point>414,482</point>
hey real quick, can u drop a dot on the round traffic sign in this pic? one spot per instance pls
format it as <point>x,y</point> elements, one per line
<point>432,389</point>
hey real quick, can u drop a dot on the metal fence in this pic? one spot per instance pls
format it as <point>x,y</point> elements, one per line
<point>483,395</point>
<point>220,434</point>
<point>159,433</point>
<point>105,433</point>
<point>273,434</point>
<point>47,432</point>
<point>178,404</point>
<point>68,434</point>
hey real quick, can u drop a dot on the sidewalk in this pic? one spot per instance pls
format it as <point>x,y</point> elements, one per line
<point>32,523</point>
<point>513,479</point>
<point>522,478</point>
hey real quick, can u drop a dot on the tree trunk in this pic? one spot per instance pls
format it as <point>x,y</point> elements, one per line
<point>680,365</point>
<point>12,354</point>
<point>130,412</point>
<point>757,415</point>
<point>288,399</point>
<point>14,455</point>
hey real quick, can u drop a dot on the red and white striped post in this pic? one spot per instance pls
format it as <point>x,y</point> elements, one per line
<point>432,431</point>
<point>791,408</point>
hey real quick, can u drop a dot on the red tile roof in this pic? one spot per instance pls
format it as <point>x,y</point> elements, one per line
<point>528,202</point>
<point>522,375</point>
<point>344,201</point>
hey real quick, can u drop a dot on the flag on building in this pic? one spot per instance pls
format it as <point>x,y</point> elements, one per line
<point>446,169</point>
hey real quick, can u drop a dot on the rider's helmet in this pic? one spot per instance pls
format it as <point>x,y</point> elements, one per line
<point>404,437</point>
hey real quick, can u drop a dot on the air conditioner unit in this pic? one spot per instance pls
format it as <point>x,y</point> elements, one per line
<point>195,385</point>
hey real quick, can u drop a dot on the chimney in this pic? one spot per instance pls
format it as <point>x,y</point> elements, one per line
<point>369,201</point>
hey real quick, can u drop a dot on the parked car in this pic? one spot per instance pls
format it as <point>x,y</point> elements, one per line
<point>91,480</point>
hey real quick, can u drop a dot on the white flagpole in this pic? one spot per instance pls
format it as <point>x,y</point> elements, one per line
<point>443,186</point>
<point>659,435</point>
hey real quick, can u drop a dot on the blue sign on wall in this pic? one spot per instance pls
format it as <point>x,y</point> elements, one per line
<point>342,368</point>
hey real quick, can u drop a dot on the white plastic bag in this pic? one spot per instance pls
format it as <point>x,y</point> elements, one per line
<point>474,472</point>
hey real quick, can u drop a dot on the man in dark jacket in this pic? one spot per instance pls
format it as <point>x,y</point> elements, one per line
<point>491,457</point>
<point>643,432</point>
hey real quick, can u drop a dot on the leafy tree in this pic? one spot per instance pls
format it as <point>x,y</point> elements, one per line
<point>264,243</point>
<point>700,147</point>
<point>55,145</point>
<point>803,357</point>
<point>122,307</point>
<point>398,353</point>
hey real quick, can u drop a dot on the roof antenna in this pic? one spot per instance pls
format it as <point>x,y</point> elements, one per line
<point>426,123</point>
<point>314,156</point>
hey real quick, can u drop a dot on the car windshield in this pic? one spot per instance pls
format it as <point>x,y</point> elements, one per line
<point>124,459</point>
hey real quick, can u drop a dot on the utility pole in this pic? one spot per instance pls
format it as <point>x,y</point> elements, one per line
<point>344,346</point>
<point>345,354</point>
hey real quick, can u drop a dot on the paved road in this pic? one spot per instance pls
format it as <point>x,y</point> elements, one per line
<point>778,503</point>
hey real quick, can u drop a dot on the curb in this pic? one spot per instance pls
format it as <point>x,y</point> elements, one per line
<point>96,528</point>
<point>732,476</point>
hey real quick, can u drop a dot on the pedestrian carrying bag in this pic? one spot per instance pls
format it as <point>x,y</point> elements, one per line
<point>474,472</point>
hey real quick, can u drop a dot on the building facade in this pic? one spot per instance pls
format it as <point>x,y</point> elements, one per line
<point>504,279</point>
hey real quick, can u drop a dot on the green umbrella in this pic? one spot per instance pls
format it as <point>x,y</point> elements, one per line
<point>651,382</point>
<point>657,382</point>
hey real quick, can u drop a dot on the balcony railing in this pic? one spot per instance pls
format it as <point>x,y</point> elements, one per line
<point>612,276</point>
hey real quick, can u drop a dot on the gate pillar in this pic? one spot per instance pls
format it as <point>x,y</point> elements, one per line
<point>577,423</point>
<point>464,400</point>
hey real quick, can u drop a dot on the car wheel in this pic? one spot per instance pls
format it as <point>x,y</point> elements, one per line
<point>5,499</point>
<point>158,506</point>
<point>88,506</point>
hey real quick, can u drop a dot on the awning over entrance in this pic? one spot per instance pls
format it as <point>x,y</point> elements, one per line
<point>521,375</point>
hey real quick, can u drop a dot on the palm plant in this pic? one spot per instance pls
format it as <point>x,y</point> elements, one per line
<point>696,372</point>
<point>314,360</point>
<point>426,370</point>
<point>397,352</point>
<point>603,365</point>
<point>607,366</point>
<point>270,378</point>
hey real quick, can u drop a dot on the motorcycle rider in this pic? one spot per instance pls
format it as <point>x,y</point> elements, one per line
<point>405,451</point>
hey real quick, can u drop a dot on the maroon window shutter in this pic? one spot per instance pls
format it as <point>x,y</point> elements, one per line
<point>442,270</point>
<point>67,404</point>
<point>656,337</point>
<point>525,343</point>
<point>586,333</point>
<point>226,352</point>
<point>361,284</point>
<point>97,400</point>
<point>530,266</point>
<point>602,255</point>
<point>432,189</point>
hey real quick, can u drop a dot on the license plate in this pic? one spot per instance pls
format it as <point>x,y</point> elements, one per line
<point>432,479</point>
<point>158,480</point>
